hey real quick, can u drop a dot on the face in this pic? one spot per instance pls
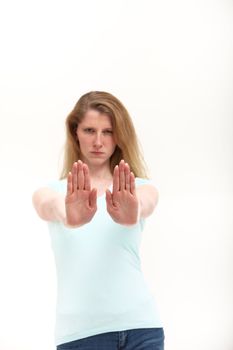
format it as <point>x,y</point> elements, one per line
<point>95,135</point>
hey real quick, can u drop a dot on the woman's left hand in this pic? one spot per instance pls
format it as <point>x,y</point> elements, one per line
<point>122,203</point>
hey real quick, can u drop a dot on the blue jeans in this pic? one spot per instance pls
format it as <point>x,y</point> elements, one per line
<point>132,339</point>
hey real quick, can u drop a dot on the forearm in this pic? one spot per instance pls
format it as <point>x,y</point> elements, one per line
<point>148,198</point>
<point>53,209</point>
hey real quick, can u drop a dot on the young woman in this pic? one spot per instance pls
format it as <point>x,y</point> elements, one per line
<point>96,213</point>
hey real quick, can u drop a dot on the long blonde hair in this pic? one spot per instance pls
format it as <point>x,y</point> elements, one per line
<point>128,145</point>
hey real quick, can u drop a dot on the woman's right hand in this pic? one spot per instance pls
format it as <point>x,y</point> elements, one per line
<point>80,200</point>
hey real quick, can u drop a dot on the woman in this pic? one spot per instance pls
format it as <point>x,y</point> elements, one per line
<point>96,213</point>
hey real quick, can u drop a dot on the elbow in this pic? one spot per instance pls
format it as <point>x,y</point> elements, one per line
<point>38,205</point>
<point>150,203</point>
<point>35,201</point>
<point>156,198</point>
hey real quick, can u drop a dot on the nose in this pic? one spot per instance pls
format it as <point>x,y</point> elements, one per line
<point>98,140</point>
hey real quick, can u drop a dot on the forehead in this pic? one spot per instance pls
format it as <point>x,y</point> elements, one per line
<point>93,117</point>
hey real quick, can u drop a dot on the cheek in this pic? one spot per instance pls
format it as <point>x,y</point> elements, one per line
<point>113,145</point>
<point>111,142</point>
<point>83,140</point>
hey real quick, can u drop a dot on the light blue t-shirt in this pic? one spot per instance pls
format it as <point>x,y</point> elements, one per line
<point>100,285</point>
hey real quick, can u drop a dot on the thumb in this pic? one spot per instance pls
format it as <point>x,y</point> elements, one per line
<point>108,198</point>
<point>93,198</point>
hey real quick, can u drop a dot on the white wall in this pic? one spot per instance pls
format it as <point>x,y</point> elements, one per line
<point>170,63</point>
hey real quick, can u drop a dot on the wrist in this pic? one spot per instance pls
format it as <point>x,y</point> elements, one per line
<point>68,224</point>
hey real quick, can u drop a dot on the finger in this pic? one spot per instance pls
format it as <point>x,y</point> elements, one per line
<point>127,177</point>
<point>80,176</point>
<point>107,197</point>
<point>87,181</point>
<point>115,185</point>
<point>69,184</point>
<point>74,176</point>
<point>122,175</point>
<point>93,198</point>
<point>132,184</point>
<point>109,200</point>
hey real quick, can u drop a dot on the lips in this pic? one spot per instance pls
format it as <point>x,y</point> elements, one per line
<point>97,152</point>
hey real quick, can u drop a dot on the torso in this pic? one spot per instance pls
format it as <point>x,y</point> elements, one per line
<point>101,188</point>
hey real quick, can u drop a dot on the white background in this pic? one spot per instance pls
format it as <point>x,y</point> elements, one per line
<point>170,63</point>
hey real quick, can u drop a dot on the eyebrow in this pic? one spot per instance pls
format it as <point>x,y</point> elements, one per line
<point>91,127</point>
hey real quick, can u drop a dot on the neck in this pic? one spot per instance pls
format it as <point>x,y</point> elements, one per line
<point>98,173</point>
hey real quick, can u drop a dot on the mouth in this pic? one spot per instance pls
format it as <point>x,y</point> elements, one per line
<point>97,152</point>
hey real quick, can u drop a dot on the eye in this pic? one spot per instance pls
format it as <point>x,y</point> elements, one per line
<point>89,130</point>
<point>108,131</point>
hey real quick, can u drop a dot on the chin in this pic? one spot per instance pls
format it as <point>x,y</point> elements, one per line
<point>97,160</point>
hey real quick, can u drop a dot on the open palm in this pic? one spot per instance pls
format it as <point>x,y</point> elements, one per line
<point>122,203</point>
<point>80,200</point>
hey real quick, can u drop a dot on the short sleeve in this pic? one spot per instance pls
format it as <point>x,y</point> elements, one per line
<point>55,185</point>
<point>141,181</point>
